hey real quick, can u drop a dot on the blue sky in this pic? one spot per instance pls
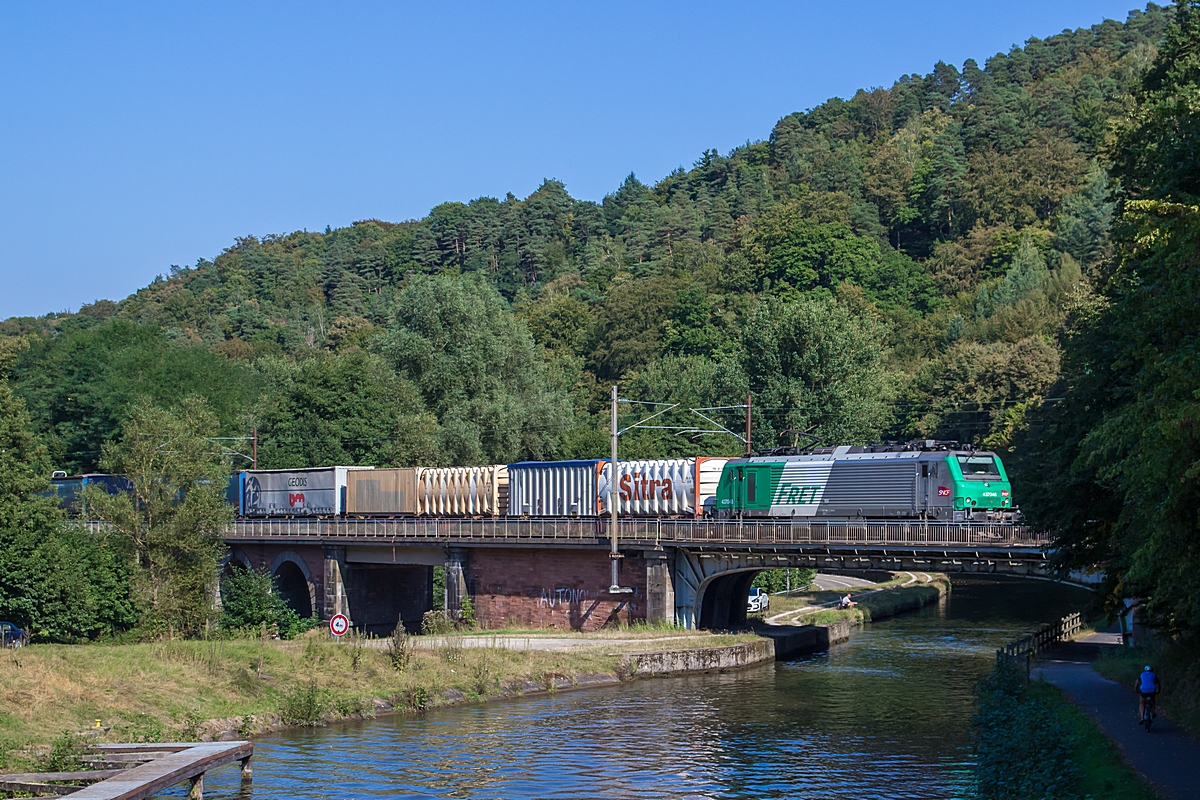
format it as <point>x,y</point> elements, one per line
<point>135,136</point>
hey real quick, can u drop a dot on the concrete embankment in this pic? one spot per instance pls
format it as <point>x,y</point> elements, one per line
<point>828,626</point>
<point>789,641</point>
<point>905,591</point>
<point>701,659</point>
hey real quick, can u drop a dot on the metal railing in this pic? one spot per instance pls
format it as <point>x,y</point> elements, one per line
<point>1024,651</point>
<point>641,531</point>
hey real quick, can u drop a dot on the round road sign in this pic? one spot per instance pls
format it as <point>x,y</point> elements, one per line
<point>338,624</point>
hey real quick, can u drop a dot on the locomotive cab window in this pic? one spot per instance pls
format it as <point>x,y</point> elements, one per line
<point>979,467</point>
<point>751,494</point>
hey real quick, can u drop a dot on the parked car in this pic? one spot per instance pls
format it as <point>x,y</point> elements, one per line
<point>12,636</point>
<point>758,600</point>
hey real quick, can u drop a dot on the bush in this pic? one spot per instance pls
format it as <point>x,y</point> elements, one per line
<point>777,580</point>
<point>435,623</point>
<point>303,705</point>
<point>66,754</point>
<point>1023,750</point>
<point>400,647</point>
<point>250,599</point>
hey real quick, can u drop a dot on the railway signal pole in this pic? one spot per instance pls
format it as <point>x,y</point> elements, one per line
<point>614,554</point>
<point>614,465</point>
<point>747,426</point>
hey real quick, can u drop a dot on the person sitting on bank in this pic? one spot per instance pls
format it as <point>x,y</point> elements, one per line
<point>846,602</point>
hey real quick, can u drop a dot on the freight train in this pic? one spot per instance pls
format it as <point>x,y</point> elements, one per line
<point>939,481</point>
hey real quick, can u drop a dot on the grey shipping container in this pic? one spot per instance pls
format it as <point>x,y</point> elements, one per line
<point>317,492</point>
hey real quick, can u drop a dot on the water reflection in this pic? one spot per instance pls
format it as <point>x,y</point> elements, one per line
<point>885,715</point>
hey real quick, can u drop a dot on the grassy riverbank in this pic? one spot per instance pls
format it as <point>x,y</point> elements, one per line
<point>1031,741</point>
<point>189,689</point>
<point>885,599</point>
<point>1178,667</point>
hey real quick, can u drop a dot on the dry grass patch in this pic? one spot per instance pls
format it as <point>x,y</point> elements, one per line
<point>167,690</point>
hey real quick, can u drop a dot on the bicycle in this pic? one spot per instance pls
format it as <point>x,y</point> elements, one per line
<point>1148,712</point>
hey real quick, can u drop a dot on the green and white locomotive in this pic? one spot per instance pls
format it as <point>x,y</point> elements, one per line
<point>935,481</point>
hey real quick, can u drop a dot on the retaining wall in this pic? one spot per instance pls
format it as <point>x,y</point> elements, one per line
<point>700,659</point>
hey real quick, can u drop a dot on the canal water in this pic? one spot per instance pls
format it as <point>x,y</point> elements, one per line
<point>885,715</point>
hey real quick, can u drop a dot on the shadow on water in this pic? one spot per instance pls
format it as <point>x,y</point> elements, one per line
<point>884,715</point>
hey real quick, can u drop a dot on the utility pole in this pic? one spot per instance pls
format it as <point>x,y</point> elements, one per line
<point>613,497</point>
<point>747,426</point>
<point>254,452</point>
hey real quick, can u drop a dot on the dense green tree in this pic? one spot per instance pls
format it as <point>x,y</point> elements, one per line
<point>477,369</point>
<point>174,517</point>
<point>347,409</point>
<point>56,580</point>
<point>1120,452</point>
<point>250,600</point>
<point>816,368</point>
<point>81,385</point>
<point>631,324</point>
<point>1158,153</point>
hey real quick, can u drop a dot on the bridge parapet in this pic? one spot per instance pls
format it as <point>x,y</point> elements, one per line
<point>637,532</point>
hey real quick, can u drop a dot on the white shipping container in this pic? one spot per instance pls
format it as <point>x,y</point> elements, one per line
<point>708,475</point>
<point>295,492</point>
<point>554,488</point>
<point>660,487</point>
<point>463,491</point>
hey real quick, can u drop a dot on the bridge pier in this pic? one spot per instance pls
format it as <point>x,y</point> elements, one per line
<point>456,579</point>
<point>660,588</point>
<point>335,601</point>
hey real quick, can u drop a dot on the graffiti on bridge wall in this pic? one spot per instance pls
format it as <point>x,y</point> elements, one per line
<point>584,602</point>
<point>552,598</point>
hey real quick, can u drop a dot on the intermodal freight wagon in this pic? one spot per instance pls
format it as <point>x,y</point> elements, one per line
<point>428,492</point>
<point>317,492</point>
<point>669,487</point>
<point>68,489</point>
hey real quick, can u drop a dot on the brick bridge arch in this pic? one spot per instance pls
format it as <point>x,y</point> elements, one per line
<point>295,583</point>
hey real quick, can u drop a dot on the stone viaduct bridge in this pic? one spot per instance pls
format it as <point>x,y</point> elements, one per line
<point>556,573</point>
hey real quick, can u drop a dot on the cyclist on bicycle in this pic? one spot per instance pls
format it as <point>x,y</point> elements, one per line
<point>1147,687</point>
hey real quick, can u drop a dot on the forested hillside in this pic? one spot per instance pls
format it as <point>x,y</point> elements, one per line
<point>894,265</point>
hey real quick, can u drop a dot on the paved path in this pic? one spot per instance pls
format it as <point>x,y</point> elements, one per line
<point>1168,756</point>
<point>532,642</point>
<point>827,583</point>
<point>783,617</point>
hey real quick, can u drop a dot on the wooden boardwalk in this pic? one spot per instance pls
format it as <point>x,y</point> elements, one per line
<point>136,771</point>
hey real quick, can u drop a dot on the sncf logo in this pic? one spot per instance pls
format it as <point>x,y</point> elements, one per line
<point>943,491</point>
<point>295,499</point>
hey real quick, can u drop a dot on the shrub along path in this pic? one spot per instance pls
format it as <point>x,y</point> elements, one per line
<point>1168,756</point>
